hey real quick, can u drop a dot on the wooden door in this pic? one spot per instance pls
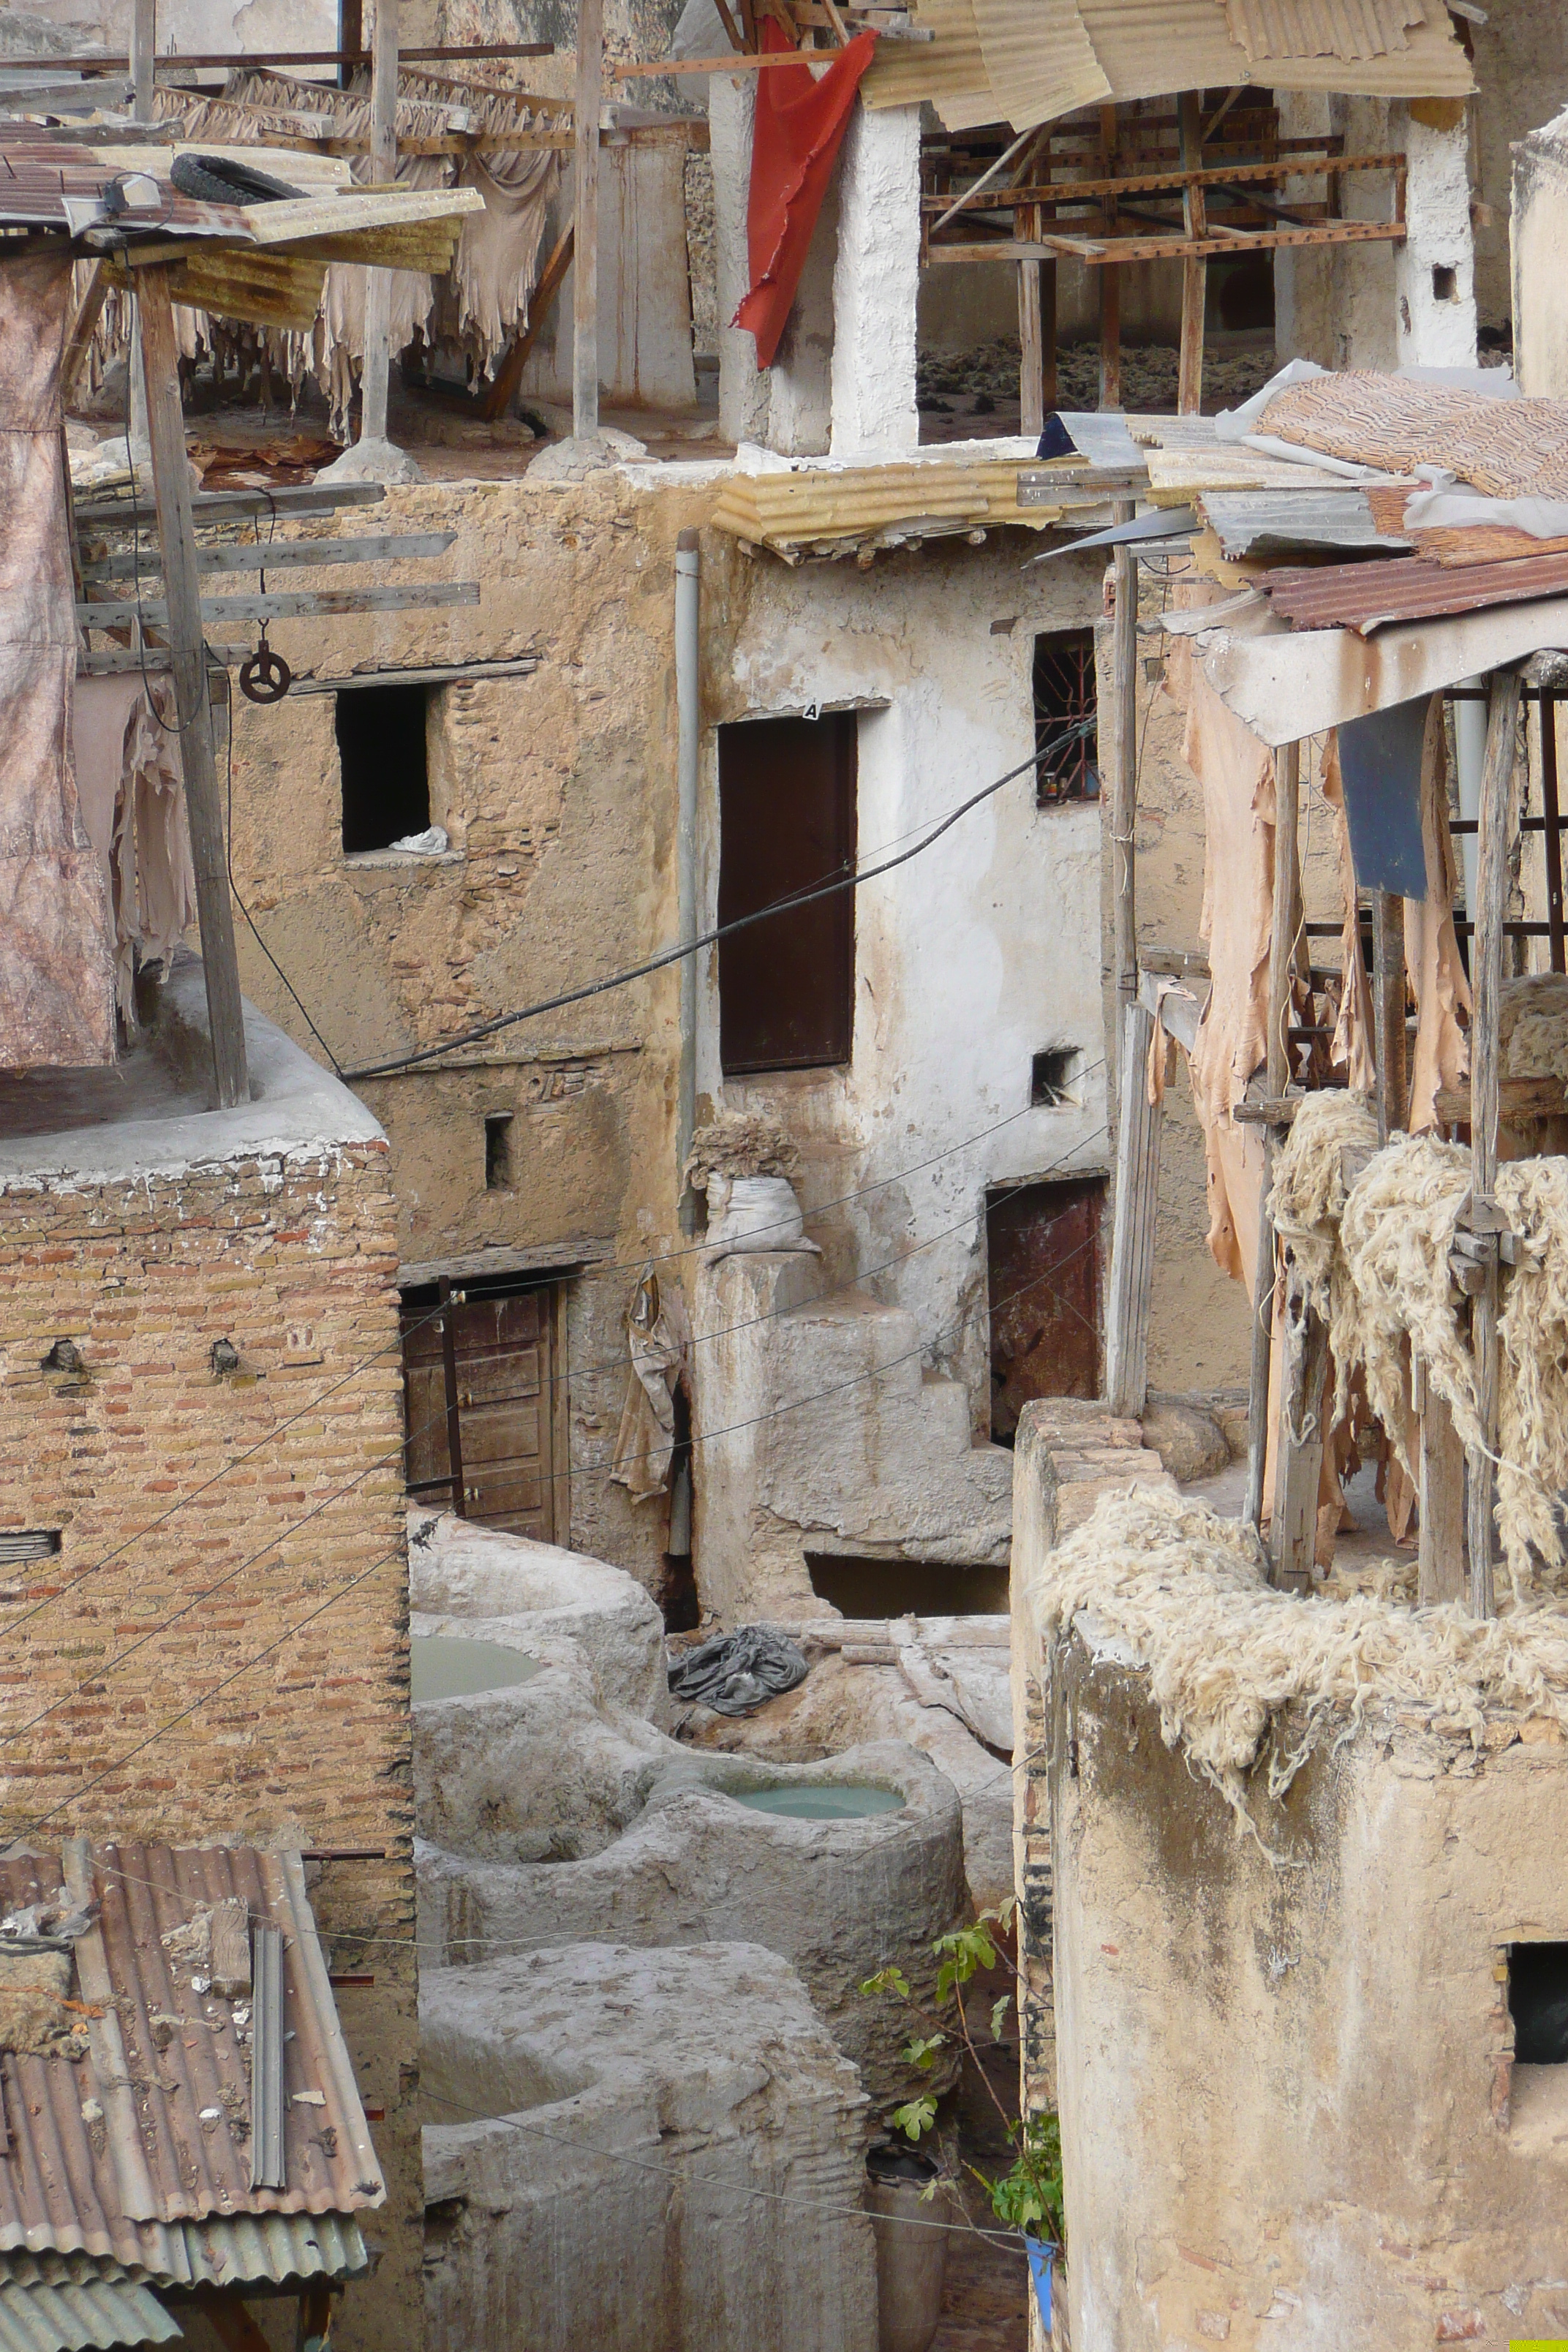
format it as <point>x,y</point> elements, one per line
<point>1042,1248</point>
<point>786,824</point>
<point>501,1395</point>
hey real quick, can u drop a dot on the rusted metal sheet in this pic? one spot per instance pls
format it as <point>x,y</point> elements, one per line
<point>1266,522</point>
<point>147,2128</point>
<point>1367,596</point>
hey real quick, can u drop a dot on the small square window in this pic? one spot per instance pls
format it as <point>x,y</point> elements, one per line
<point>1051,1075</point>
<point>1445,283</point>
<point>380,754</point>
<point>1538,2003</point>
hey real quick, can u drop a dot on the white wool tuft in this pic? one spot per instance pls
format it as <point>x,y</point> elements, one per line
<point>1183,1594</point>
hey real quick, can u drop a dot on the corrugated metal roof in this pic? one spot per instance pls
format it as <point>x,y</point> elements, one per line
<point>1262,523</point>
<point>1038,51</point>
<point>1321,28</point>
<point>1366,596</point>
<point>69,2303</point>
<point>164,2078</point>
<point>38,175</point>
<point>255,2248</point>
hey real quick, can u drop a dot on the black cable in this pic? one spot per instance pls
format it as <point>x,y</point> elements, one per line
<point>707,938</point>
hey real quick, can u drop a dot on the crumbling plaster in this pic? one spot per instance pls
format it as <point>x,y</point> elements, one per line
<point>1521,76</point>
<point>1540,227</point>
<point>1289,2106</point>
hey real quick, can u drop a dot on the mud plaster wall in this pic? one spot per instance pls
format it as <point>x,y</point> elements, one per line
<point>1522,70</point>
<point>129,1702</point>
<point>969,959</point>
<point>1199,1331</point>
<point>1288,2095</point>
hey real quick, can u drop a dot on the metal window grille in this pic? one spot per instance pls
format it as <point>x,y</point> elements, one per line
<point>1064,718</point>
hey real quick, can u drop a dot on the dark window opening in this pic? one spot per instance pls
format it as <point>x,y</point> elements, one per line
<point>1538,2003</point>
<point>1043,1275</point>
<point>1065,717</point>
<point>786,824</point>
<point>1051,1074</point>
<point>1240,294</point>
<point>901,1588</point>
<point>498,1151</point>
<point>1445,283</point>
<point>381,753</point>
<point>18,1545</point>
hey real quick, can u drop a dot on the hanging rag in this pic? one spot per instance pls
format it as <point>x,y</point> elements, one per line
<point>797,130</point>
<point>56,992</point>
<point>658,1339</point>
<point>134,807</point>
<point>733,1673</point>
<point>1437,980</point>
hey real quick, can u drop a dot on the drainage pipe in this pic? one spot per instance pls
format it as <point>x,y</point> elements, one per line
<point>687,594</point>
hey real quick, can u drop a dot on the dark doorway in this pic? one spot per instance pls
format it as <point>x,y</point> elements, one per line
<point>480,1372</point>
<point>1043,1275</point>
<point>1538,2003</point>
<point>381,753</point>
<point>786,822</point>
<point>858,1587</point>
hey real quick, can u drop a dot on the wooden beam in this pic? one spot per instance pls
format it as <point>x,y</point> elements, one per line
<point>1109,288</point>
<point>1195,268</point>
<point>1124,770</point>
<point>314,2323</point>
<point>143,45</point>
<point>1111,251</point>
<point>1298,1454</point>
<point>1440,1572</point>
<point>1132,1233</point>
<point>177,546</point>
<point>1546,711</point>
<point>1161,182</point>
<point>1486,981</point>
<point>1519,1099</point>
<point>78,343</point>
<point>230,2321</point>
<point>503,384</point>
<point>1388,1010</point>
<point>1031,350</point>
<point>585,214</point>
<point>287,605</point>
<point>1282,973</point>
<point>287,555</point>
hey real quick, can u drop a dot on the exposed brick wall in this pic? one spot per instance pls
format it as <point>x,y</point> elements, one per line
<point>144,1461</point>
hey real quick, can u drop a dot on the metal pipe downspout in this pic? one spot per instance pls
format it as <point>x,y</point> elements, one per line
<point>687,605</point>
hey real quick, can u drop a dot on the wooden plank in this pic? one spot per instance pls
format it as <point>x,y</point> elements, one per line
<point>1157,183</point>
<point>232,506</point>
<point>731,63</point>
<point>1123,768</point>
<point>313,2320</point>
<point>285,554</point>
<point>504,386</point>
<point>1388,1010</point>
<point>182,612</point>
<point>1486,980</point>
<point>1096,251</point>
<point>1261,1351</point>
<point>1195,269</point>
<point>78,343</point>
<point>585,214</point>
<point>1281,971</point>
<point>231,1948</point>
<point>1031,350</point>
<point>1440,1572</point>
<point>1551,823</point>
<point>144,47</point>
<point>1298,1454</point>
<point>1132,1233</point>
<point>289,606</point>
<point>1518,1100</point>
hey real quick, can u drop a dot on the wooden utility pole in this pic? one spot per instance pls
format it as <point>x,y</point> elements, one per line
<point>1132,1233</point>
<point>177,545</point>
<point>1195,269</point>
<point>377,367</point>
<point>1486,980</point>
<point>1388,1009</point>
<point>144,47</point>
<point>586,216</point>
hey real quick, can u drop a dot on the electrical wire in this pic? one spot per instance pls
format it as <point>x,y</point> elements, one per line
<point>677,954</point>
<point>240,902</point>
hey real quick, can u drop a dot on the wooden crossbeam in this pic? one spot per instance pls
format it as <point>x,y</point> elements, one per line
<point>1139,184</point>
<point>1098,251</point>
<point>284,554</point>
<point>154,613</point>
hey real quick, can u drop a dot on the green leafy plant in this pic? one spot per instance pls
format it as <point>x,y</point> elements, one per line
<point>1028,2195</point>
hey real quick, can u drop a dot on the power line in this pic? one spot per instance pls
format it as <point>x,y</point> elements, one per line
<point>685,947</point>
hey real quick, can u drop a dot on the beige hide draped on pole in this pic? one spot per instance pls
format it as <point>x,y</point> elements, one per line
<point>56,987</point>
<point>1437,975</point>
<point>133,807</point>
<point>657,1341</point>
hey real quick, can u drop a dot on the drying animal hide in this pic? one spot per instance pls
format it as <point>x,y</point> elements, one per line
<point>133,807</point>
<point>659,1341</point>
<point>1236,773</point>
<point>1442,1056</point>
<point>57,978</point>
<point>1183,1596</point>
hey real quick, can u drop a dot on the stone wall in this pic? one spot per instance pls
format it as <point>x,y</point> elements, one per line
<point>218,1650</point>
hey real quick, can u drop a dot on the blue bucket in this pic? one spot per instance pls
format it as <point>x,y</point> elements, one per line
<point>1042,2256</point>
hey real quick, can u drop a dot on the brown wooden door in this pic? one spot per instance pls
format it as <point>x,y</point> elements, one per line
<point>786,823</point>
<point>504,1370</point>
<point>1042,1246</point>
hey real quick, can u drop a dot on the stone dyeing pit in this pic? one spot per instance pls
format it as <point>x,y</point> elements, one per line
<point>553,1812</point>
<point>569,2092</point>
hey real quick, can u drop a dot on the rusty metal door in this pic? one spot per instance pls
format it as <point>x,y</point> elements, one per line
<point>1042,1270</point>
<point>479,1392</point>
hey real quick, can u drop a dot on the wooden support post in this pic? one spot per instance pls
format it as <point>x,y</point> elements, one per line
<point>143,47</point>
<point>448,1327</point>
<point>1132,1233</point>
<point>1440,1487</point>
<point>1110,281</point>
<point>1124,771</point>
<point>351,35</point>
<point>1031,340</point>
<point>1299,1455</point>
<point>314,2319</point>
<point>187,661</point>
<point>1388,1009</point>
<point>1047,285</point>
<point>1552,838</point>
<point>1486,981</point>
<point>1281,970</point>
<point>377,364</point>
<point>585,264</point>
<point>1195,269</point>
